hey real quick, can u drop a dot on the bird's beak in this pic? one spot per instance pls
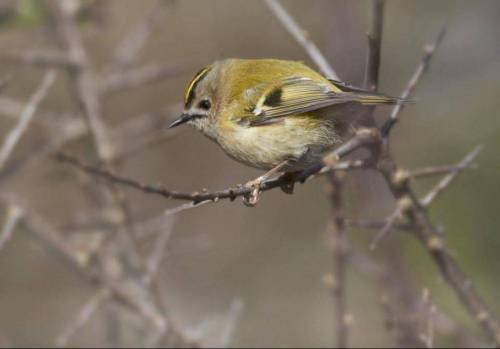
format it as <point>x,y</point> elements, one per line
<point>181,120</point>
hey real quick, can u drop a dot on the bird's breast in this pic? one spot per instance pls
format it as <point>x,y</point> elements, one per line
<point>301,139</point>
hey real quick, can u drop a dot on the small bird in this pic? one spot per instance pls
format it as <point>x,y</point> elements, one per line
<point>271,114</point>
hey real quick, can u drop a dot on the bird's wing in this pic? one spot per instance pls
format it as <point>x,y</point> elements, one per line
<point>299,95</point>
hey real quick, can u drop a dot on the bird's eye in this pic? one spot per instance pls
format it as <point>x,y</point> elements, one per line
<point>205,104</point>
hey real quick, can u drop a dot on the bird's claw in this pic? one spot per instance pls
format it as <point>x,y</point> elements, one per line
<point>252,197</point>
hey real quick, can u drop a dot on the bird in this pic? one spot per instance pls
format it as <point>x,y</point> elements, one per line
<point>276,115</point>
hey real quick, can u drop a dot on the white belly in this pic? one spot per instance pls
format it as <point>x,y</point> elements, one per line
<point>268,146</point>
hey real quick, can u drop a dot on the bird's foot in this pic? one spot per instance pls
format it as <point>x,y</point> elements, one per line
<point>252,197</point>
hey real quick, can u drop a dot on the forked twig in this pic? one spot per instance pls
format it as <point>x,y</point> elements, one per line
<point>448,179</point>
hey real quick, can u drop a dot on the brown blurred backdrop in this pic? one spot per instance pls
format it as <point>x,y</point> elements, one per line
<point>272,257</point>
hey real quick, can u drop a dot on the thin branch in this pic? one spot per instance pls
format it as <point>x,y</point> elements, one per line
<point>83,316</point>
<point>301,37</point>
<point>231,320</point>
<point>427,336</point>
<point>437,170</point>
<point>133,41</point>
<point>374,45</point>
<point>25,118</point>
<point>447,180</point>
<point>3,82</point>
<point>83,77</point>
<point>133,78</point>
<point>158,254</point>
<point>341,252</point>
<point>39,58</point>
<point>14,213</point>
<point>389,224</point>
<point>429,51</point>
<point>394,219</point>
<point>385,277</point>
<point>53,239</point>
<point>374,224</point>
<point>361,139</point>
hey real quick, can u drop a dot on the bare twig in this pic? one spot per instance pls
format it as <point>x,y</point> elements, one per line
<point>158,254</point>
<point>14,213</point>
<point>132,43</point>
<point>429,50</point>
<point>341,253</point>
<point>374,45</point>
<point>437,170</point>
<point>231,320</point>
<point>84,81</point>
<point>26,116</point>
<point>395,288</point>
<point>46,233</point>
<point>83,316</point>
<point>447,180</point>
<point>433,241</point>
<point>389,224</point>
<point>374,224</point>
<point>404,204</point>
<point>361,139</point>
<point>3,82</point>
<point>133,78</point>
<point>39,58</point>
<point>428,334</point>
<point>338,227</point>
<point>301,37</point>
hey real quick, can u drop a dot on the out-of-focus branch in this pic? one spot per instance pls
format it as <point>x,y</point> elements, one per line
<point>133,78</point>
<point>39,58</point>
<point>121,292</point>
<point>83,316</point>
<point>85,85</point>
<point>436,170</point>
<point>341,252</point>
<point>14,213</point>
<point>448,179</point>
<point>301,37</point>
<point>3,82</point>
<point>134,40</point>
<point>25,118</point>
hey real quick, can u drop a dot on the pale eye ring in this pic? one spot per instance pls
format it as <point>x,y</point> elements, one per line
<point>205,104</point>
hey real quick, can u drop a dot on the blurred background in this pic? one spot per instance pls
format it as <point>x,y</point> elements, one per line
<point>265,266</point>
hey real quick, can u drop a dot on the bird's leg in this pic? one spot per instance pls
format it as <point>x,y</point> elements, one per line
<point>252,198</point>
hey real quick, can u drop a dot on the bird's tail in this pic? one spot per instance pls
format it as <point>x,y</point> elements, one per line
<point>368,98</point>
<point>363,96</point>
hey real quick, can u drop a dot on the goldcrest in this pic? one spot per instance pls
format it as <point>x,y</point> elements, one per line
<point>273,114</point>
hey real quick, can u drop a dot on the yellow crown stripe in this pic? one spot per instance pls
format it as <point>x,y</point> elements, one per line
<point>197,78</point>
